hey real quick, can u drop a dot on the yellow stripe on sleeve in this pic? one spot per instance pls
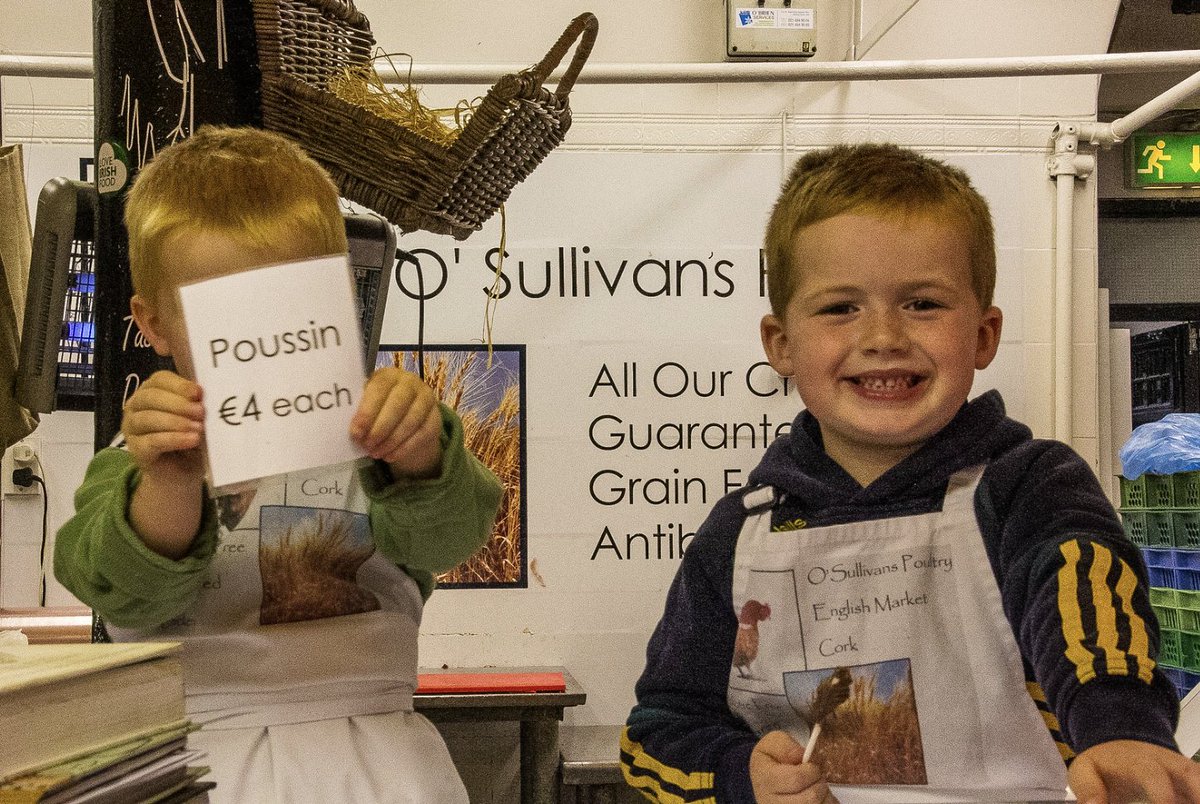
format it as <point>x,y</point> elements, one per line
<point>1106,615</point>
<point>1139,638</point>
<point>1039,697</point>
<point>1050,720</point>
<point>1052,725</point>
<point>651,785</point>
<point>1072,617</point>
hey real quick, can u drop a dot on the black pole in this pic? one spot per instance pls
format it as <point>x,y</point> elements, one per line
<point>157,78</point>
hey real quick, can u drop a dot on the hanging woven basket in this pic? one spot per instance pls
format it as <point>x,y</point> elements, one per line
<point>413,181</point>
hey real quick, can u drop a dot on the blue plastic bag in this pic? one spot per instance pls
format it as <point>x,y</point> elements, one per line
<point>1169,445</point>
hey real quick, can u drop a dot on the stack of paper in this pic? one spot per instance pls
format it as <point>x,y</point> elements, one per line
<point>95,724</point>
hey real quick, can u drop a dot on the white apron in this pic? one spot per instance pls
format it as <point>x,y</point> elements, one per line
<point>939,710</point>
<point>300,655</point>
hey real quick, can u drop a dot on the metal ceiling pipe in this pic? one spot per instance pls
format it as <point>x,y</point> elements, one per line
<point>35,65</point>
<point>1118,130</point>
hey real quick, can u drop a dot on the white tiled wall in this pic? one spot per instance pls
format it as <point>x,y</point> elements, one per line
<point>64,441</point>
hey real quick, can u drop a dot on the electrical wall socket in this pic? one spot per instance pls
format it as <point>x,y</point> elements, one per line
<point>22,453</point>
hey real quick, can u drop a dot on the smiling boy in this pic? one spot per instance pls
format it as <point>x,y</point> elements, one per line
<point>1027,638</point>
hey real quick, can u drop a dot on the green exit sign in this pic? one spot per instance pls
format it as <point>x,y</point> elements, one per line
<point>1164,160</point>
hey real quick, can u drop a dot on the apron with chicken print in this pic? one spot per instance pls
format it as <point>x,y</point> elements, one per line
<point>895,628</point>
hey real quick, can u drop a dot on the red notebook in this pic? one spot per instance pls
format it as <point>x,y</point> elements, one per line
<point>443,683</point>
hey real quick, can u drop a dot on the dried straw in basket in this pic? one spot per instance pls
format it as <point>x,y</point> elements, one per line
<point>361,86</point>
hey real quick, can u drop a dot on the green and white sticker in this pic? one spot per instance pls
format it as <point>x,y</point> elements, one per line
<point>112,168</point>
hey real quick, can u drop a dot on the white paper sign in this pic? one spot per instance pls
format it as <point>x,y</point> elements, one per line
<point>278,352</point>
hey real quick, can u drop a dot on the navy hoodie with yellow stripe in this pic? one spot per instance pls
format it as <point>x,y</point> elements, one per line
<point>1073,587</point>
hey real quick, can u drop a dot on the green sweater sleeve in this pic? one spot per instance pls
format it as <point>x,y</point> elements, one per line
<point>103,562</point>
<point>423,526</point>
<point>429,526</point>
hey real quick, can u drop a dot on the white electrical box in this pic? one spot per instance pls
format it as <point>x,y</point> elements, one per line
<point>771,29</point>
<point>19,455</point>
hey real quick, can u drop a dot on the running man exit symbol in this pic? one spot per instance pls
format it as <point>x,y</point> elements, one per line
<point>1164,160</point>
<point>1155,156</point>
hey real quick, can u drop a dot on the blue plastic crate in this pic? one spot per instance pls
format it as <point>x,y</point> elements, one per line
<point>1186,559</point>
<point>1181,680</point>
<point>1187,680</point>
<point>1162,557</point>
<point>1161,576</point>
<point>1187,579</point>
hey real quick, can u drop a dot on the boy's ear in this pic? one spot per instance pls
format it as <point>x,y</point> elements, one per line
<point>775,344</point>
<point>150,324</point>
<point>988,341</point>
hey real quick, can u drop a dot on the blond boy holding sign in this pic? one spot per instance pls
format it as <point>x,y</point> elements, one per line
<point>298,600</point>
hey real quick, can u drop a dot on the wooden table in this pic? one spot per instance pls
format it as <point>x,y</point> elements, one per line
<point>45,626</point>
<point>539,714</point>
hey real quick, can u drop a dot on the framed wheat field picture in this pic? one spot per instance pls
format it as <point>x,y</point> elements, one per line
<point>488,393</point>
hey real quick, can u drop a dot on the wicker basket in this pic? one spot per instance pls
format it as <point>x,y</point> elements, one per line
<point>412,181</point>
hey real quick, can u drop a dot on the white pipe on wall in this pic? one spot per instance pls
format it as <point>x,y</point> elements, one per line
<point>1120,129</point>
<point>1103,406</point>
<point>1065,167</point>
<point>41,66</point>
<point>34,65</point>
<point>1064,279</point>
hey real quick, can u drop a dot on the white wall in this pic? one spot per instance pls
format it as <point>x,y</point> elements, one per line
<point>665,170</point>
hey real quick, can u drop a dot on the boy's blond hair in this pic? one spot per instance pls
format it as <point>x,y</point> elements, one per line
<point>881,179</point>
<point>252,186</point>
